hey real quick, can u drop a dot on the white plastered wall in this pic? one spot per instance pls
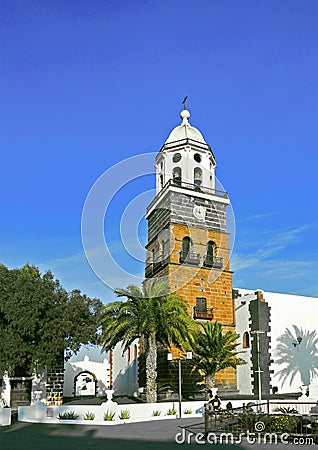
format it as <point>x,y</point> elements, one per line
<point>125,370</point>
<point>92,359</point>
<point>165,166</point>
<point>244,379</point>
<point>287,310</point>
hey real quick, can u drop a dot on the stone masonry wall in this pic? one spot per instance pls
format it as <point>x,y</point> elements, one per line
<point>54,386</point>
<point>178,208</point>
<point>182,206</point>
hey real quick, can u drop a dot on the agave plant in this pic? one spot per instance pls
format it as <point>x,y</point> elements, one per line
<point>171,412</point>
<point>109,415</point>
<point>89,416</point>
<point>69,415</point>
<point>124,414</point>
<point>286,410</point>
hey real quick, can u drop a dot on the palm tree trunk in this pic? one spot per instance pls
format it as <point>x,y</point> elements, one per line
<point>209,384</point>
<point>151,370</point>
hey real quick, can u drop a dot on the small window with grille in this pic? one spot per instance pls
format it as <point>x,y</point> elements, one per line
<point>200,305</point>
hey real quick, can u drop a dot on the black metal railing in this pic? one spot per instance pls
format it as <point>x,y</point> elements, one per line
<point>153,267</point>
<point>213,261</point>
<point>203,313</point>
<point>189,258</point>
<point>195,187</point>
<point>256,419</point>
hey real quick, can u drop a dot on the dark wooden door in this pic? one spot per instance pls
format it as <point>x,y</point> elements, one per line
<point>20,393</point>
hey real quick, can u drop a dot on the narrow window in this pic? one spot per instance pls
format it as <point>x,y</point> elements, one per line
<point>197,177</point>
<point>186,243</point>
<point>246,340</point>
<point>209,258</point>
<point>185,255</point>
<point>210,250</point>
<point>176,175</point>
<point>128,354</point>
<point>161,181</point>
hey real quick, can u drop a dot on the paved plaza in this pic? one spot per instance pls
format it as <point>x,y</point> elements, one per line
<point>153,435</point>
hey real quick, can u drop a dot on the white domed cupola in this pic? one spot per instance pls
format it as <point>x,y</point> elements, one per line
<point>185,130</point>
<point>185,159</point>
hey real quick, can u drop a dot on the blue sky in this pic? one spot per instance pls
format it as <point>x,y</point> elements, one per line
<point>87,84</point>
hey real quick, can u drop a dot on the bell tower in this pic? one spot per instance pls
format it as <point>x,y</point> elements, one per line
<point>188,243</point>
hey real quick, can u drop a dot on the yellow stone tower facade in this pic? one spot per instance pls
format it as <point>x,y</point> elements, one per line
<point>188,242</point>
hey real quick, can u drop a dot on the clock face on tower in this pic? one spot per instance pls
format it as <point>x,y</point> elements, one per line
<point>199,212</point>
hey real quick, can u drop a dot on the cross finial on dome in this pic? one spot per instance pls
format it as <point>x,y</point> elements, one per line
<point>184,113</point>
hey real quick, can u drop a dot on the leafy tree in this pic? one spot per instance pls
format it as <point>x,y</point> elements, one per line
<point>213,351</point>
<point>39,320</point>
<point>153,315</point>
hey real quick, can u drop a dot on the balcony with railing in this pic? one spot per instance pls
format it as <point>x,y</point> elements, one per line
<point>154,267</point>
<point>215,262</point>
<point>202,313</point>
<point>196,187</point>
<point>189,258</point>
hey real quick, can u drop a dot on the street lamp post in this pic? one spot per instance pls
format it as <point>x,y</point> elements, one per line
<point>170,358</point>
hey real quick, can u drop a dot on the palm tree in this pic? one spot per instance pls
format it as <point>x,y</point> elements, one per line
<point>152,314</point>
<point>214,351</point>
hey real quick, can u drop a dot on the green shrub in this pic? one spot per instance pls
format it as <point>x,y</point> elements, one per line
<point>171,412</point>
<point>70,415</point>
<point>89,416</point>
<point>187,411</point>
<point>248,419</point>
<point>109,416</point>
<point>124,414</point>
<point>156,412</point>
<point>284,423</point>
